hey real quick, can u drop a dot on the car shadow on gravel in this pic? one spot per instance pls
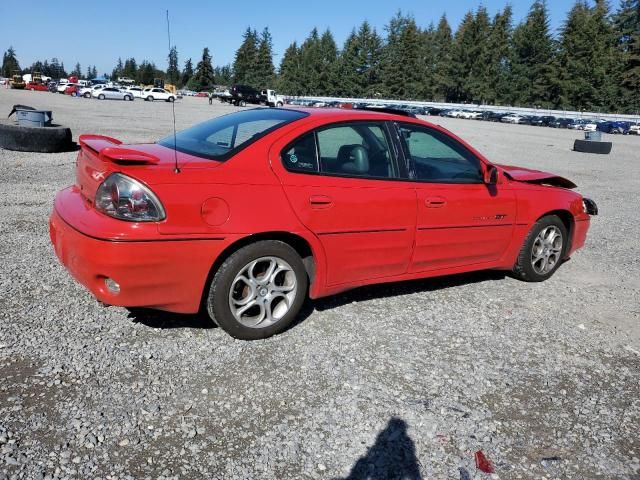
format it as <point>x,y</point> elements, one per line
<point>385,290</point>
<point>392,456</point>
<point>160,319</point>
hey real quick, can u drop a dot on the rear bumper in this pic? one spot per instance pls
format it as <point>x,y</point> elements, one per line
<point>167,275</point>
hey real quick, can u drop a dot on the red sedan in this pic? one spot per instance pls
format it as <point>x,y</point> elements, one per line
<point>37,86</point>
<point>246,214</point>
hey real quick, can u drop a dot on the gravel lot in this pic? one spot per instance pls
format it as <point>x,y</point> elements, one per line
<point>395,381</point>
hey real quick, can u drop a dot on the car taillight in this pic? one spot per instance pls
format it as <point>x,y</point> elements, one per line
<point>124,198</point>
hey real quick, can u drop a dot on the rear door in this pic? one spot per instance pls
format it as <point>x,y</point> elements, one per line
<point>461,221</point>
<point>343,182</point>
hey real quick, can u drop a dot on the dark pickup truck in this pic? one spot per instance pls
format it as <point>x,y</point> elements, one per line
<point>243,94</point>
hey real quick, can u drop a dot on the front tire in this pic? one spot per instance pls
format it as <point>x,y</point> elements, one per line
<point>258,291</point>
<point>101,97</point>
<point>543,250</point>
<point>171,100</point>
<point>149,98</point>
<point>87,95</point>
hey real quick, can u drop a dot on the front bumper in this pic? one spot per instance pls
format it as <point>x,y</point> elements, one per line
<point>164,274</point>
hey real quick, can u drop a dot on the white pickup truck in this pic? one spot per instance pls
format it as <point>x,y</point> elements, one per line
<point>271,98</point>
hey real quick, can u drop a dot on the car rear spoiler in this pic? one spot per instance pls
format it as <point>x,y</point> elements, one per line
<point>108,150</point>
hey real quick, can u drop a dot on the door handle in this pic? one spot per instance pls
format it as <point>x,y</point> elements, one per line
<point>435,202</point>
<point>320,201</point>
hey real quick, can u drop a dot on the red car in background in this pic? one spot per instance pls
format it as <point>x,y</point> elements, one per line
<point>73,90</point>
<point>37,86</point>
<point>247,214</point>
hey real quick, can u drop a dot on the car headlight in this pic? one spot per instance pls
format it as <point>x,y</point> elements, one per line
<point>122,197</point>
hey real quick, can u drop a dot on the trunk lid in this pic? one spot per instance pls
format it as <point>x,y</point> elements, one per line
<point>527,175</point>
<point>100,156</point>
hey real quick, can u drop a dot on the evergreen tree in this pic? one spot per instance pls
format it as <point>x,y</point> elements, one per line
<point>442,44</point>
<point>535,73</point>
<point>289,73</point>
<point>263,70</point>
<point>427,57</point>
<point>368,58</point>
<point>9,63</point>
<point>145,73</point>
<point>328,57</point>
<point>402,70</point>
<point>130,69</point>
<point>311,63</point>
<point>223,75</point>
<point>345,71</point>
<point>477,81</point>
<point>204,70</point>
<point>461,60</point>
<point>77,70</point>
<point>94,72</point>
<point>246,58</point>
<point>589,61</point>
<point>187,72</point>
<point>117,71</point>
<point>627,26</point>
<point>497,58</point>
<point>173,72</point>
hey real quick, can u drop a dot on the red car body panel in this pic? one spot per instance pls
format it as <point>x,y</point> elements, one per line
<point>39,87</point>
<point>359,231</point>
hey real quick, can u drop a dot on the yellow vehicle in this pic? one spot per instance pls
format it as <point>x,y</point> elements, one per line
<point>160,83</point>
<point>16,81</point>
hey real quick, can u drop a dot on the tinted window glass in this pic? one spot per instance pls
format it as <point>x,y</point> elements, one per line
<point>222,137</point>
<point>356,149</point>
<point>301,155</point>
<point>436,157</point>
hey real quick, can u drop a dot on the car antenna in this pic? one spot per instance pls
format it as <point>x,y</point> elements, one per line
<point>176,169</point>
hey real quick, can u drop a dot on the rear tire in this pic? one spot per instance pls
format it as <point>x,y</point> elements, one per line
<point>171,99</point>
<point>101,96</point>
<point>149,98</point>
<point>258,291</point>
<point>87,95</point>
<point>243,103</point>
<point>127,98</point>
<point>543,250</point>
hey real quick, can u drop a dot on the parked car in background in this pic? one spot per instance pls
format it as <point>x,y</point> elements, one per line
<point>62,86</point>
<point>112,93</point>
<point>135,91</point>
<point>634,129</point>
<point>512,118</point>
<point>542,121</point>
<point>37,86</point>
<point>72,89</point>
<point>271,98</point>
<point>153,93</point>
<point>560,122</point>
<point>577,124</point>
<point>614,127</point>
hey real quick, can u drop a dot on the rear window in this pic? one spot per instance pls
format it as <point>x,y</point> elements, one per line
<point>222,137</point>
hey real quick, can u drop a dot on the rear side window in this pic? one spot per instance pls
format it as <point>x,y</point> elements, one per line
<point>222,137</point>
<point>358,149</point>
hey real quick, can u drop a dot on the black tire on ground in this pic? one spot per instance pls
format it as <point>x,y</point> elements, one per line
<point>149,98</point>
<point>279,104</point>
<point>218,304</point>
<point>101,96</point>
<point>128,98</point>
<point>35,139</point>
<point>523,269</point>
<point>243,103</point>
<point>587,146</point>
<point>87,95</point>
<point>171,99</point>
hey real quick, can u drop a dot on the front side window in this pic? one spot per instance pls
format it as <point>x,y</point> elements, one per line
<point>222,137</point>
<point>436,157</point>
<point>357,149</point>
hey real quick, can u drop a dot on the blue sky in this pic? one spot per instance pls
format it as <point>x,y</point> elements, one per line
<point>99,32</point>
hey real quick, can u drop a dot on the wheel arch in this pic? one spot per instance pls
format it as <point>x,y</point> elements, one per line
<point>297,242</point>
<point>567,219</point>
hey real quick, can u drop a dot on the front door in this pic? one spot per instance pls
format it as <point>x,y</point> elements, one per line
<point>342,181</point>
<point>461,221</point>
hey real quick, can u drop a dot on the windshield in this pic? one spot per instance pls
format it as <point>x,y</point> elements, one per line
<point>222,137</point>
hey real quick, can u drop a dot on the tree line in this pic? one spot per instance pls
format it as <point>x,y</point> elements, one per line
<point>592,64</point>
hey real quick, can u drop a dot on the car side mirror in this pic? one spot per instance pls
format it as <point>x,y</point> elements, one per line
<point>491,175</point>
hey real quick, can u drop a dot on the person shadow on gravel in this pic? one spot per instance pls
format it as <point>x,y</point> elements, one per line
<point>392,457</point>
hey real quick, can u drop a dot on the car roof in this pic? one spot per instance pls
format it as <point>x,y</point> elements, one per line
<point>351,113</point>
